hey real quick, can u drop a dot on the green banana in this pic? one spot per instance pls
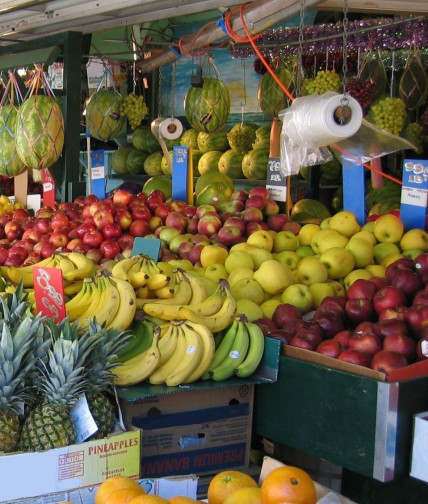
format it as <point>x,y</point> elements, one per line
<point>255,351</point>
<point>140,340</point>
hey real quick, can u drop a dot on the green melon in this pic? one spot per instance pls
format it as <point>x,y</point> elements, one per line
<point>209,162</point>
<point>211,178</point>
<point>213,141</point>
<point>103,118</point>
<point>135,161</point>
<point>271,97</point>
<point>152,164</point>
<point>309,210</point>
<point>161,183</point>
<point>215,193</point>
<point>262,140</point>
<point>10,163</point>
<point>119,159</point>
<point>230,163</point>
<point>189,138</point>
<point>242,136</point>
<point>254,164</point>
<point>384,207</point>
<point>143,138</point>
<point>165,167</point>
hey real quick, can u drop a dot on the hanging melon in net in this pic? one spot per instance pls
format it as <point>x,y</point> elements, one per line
<point>271,97</point>
<point>39,134</point>
<point>103,117</point>
<point>413,82</point>
<point>10,163</point>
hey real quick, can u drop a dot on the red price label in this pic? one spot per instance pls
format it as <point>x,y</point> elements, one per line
<point>49,188</point>
<point>49,292</point>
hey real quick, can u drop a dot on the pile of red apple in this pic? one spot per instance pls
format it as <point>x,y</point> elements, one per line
<point>381,323</point>
<point>102,229</point>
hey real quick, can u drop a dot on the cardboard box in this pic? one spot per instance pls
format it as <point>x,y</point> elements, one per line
<point>63,469</point>
<point>419,464</point>
<point>193,432</point>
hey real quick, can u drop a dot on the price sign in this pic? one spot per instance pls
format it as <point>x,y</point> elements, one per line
<point>49,188</point>
<point>147,246</point>
<point>276,184</point>
<point>414,193</point>
<point>49,292</point>
<point>98,174</point>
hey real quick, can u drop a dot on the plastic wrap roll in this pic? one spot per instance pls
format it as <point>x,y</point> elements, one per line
<point>169,128</point>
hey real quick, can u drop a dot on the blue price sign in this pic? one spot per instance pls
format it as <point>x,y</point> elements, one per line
<point>414,193</point>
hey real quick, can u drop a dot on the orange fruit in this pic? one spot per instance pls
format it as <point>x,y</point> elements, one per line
<point>246,495</point>
<point>181,499</point>
<point>148,499</point>
<point>123,495</point>
<point>114,483</point>
<point>226,482</point>
<point>288,484</point>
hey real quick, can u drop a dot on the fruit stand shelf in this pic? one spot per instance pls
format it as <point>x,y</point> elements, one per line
<point>359,423</point>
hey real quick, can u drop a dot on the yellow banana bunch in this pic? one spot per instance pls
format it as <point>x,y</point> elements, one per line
<point>178,291</point>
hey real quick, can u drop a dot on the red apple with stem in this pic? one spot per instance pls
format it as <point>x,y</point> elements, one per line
<point>388,297</point>
<point>386,361</point>
<point>332,348</point>
<point>353,356</point>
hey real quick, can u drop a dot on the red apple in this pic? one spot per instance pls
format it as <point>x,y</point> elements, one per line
<point>184,249</point>
<point>261,191</point>
<point>231,208</point>
<point>71,245</point>
<point>343,337</point>
<point>334,304</point>
<point>189,211</point>
<point>331,348</point>
<point>201,210</point>
<point>271,207</point>
<point>331,323</point>
<point>353,356</point>
<point>154,198</point>
<point>32,258</point>
<point>420,298</point>
<point>4,253</point>
<point>378,281</point>
<point>209,224</point>
<point>121,196</point>
<point>102,217</point>
<point>255,201</point>
<point>192,225</point>
<point>20,214</point>
<point>302,341</point>
<point>176,220</point>
<point>178,205</point>
<point>407,281</point>
<point>421,264</point>
<point>359,309</point>
<point>84,228</point>
<point>386,361</point>
<point>392,313</point>
<point>401,344</point>
<point>237,222</point>
<point>123,218</point>
<point>266,325</point>
<point>110,248</point>
<point>251,227</point>
<point>417,318</point>
<point>59,239</point>
<point>365,326</point>
<point>252,214</point>
<point>139,227</point>
<point>89,199</point>
<point>126,242</point>
<point>44,213</point>
<point>112,231</point>
<point>18,250</point>
<point>388,297</point>
<point>194,255</point>
<point>92,238</point>
<point>155,222</point>
<point>361,288</point>
<point>277,221</point>
<point>47,250</point>
<point>292,226</point>
<point>95,254</point>
<point>405,263</point>
<point>59,220</point>
<point>229,235</point>
<point>162,210</point>
<point>365,342</point>
<point>390,326</point>
<point>284,313</point>
<point>141,212</point>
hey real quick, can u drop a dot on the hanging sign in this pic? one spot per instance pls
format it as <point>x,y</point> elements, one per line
<point>49,292</point>
<point>97,174</point>
<point>414,193</point>
<point>49,188</point>
<point>354,191</point>
<point>182,176</point>
<point>276,183</point>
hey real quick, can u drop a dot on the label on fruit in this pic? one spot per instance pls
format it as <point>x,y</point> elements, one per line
<point>424,348</point>
<point>49,188</point>
<point>414,193</point>
<point>49,292</point>
<point>147,246</point>
<point>276,184</point>
<point>84,422</point>
<point>97,174</point>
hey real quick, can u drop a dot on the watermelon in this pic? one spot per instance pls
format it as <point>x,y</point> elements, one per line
<point>271,97</point>
<point>230,163</point>
<point>207,108</point>
<point>10,163</point>
<point>209,162</point>
<point>189,138</point>
<point>135,161</point>
<point>39,133</point>
<point>309,210</point>
<point>214,193</point>
<point>171,143</point>
<point>242,136</point>
<point>161,183</point>
<point>212,177</point>
<point>262,140</point>
<point>152,164</point>
<point>213,141</point>
<point>103,118</point>
<point>143,138</point>
<point>165,167</point>
<point>119,159</point>
<point>254,164</point>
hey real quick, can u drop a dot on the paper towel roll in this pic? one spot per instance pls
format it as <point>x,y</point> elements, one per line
<point>169,128</point>
<point>311,120</point>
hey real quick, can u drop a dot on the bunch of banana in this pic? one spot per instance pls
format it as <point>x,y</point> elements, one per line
<point>216,311</point>
<point>239,351</point>
<point>108,299</point>
<point>186,352</point>
<point>75,266</point>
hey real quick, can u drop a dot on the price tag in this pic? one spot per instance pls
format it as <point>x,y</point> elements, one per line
<point>147,246</point>
<point>276,184</point>
<point>84,422</point>
<point>49,292</point>
<point>414,193</point>
<point>49,188</point>
<point>180,170</point>
<point>98,174</point>
<point>354,191</point>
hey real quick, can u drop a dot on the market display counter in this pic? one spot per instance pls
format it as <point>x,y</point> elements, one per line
<point>361,424</point>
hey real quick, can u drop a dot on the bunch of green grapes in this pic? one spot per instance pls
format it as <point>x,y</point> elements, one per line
<point>134,109</point>
<point>413,132</point>
<point>389,114</point>
<point>325,80</point>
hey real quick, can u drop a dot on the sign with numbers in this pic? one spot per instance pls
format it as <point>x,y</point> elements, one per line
<point>414,193</point>
<point>49,292</point>
<point>276,184</point>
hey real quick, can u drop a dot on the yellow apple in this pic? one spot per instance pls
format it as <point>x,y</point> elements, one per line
<point>325,224</point>
<point>306,233</point>
<point>368,226</point>
<point>388,228</point>
<point>389,259</point>
<point>310,270</point>
<point>355,275</point>
<point>304,250</point>
<point>300,296</point>
<point>345,222</point>
<point>273,276</point>
<point>249,308</point>
<point>320,236</point>
<point>365,234</point>
<point>259,255</point>
<point>216,271</point>
<point>261,239</point>
<point>210,285</point>
<point>338,287</point>
<point>333,240</point>
<point>338,261</point>
<point>382,249</point>
<point>213,254</point>
<point>320,290</point>
<point>238,274</point>
<point>269,306</point>
<point>362,250</point>
<point>284,240</point>
<point>248,288</point>
<point>376,270</point>
<point>184,264</point>
<point>412,253</point>
<point>238,259</point>
<point>288,258</point>
<point>414,238</point>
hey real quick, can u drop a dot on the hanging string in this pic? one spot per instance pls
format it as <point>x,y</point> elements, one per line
<point>300,49</point>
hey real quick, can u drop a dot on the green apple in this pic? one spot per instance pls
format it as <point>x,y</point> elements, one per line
<point>365,234</point>
<point>249,308</point>
<point>238,259</point>
<point>300,296</point>
<point>414,238</point>
<point>382,249</point>
<point>325,224</point>
<point>376,270</point>
<point>320,290</point>
<point>288,258</point>
<point>176,241</point>
<point>368,226</point>
<point>304,250</point>
<point>388,228</point>
<point>306,233</point>
<point>355,275</point>
<point>310,270</point>
<point>213,254</point>
<point>238,274</point>
<point>338,287</point>
<point>273,276</point>
<point>320,236</point>
<point>412,253</point>
<point>261,239</point>
<point>248,288</point>
<point>184,264</point>
<point>284,240</point>
<point>362,250</point>
<point>345,222</point>
<point>259,255</point>
<point>338,261</point>
<point>332,240</point>
<point>269,306</point>
<point>216,271</point>
<point>166,234</point>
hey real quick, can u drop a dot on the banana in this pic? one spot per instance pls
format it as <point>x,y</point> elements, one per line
<point>84,267</point>
<point>255,351</point>
<point>140,367</point>
<point>122,267</point>
<point>149,266</point>
<point>127,305</point>
<point>63,263</point>
<point>235,357</point>
<point>207,339</point>
<point>138,279</point>
<point>140,340</point>
<point>25,273</point>
<point>182,296</point>
<point>81,301</point>
<point>158,281</point>
<point>142,292</point>
<point>109,304</point>
<point>96,298</point>
<point>72,288</point>
<point>166,292</point>
<point>199,291</point>
<point>191,358</point>
<point>224,348</point>
<point>210,305</point>
<point>168,343</point>
<point>160,374</point>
